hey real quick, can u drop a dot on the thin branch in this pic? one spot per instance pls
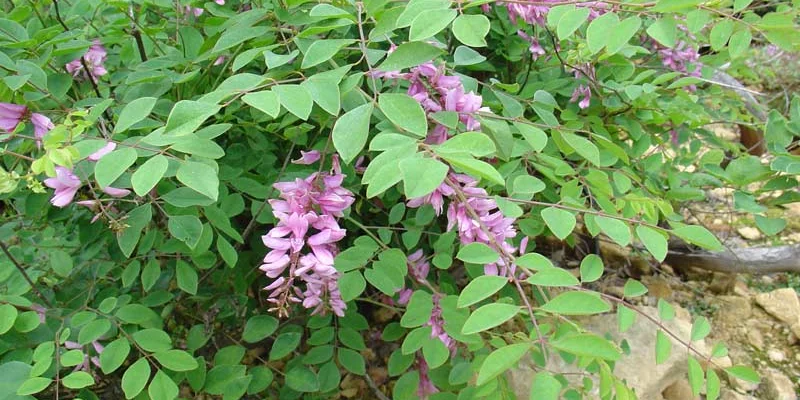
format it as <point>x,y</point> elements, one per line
<point>25,275</point>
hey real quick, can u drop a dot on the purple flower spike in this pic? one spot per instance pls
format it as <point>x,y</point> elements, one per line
<point>11,115</point>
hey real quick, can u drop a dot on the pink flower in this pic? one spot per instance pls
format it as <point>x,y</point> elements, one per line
<point>11,115</point>
<point>194,10</point>
<point>220,2</point>
<point>535,48</point>
<point>114,192</point>
<point>581,90</point>
<point>41,125</point>
<point>307,157</point>
<point>66,184</point>
<point>219,60</point>
<point>94,58</point>
<point>97,155</point>
<point>418,268</point>
<point>426,386</point>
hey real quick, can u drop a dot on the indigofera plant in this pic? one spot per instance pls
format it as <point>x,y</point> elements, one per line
<point>288,198</point>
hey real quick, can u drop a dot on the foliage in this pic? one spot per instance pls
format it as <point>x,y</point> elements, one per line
<point>432,143</point>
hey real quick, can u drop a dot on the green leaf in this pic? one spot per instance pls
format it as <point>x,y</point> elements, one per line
<point>404,112</point>
<point>265,101</point>
<point>615,229</point>
<point>663,347</point>
<point>77,380</point>
<point>712,385</point>
<point>553,277</point>
<point>476,144</point>
<point>176,360</point>
<point>187,277</point>
<point>186,228</point>
<point>489,316</point>
<point>93,330</point>
<point>302,379</point>
<point>276,60</point>
<point>186,116</point>
<point>695,376</point>
<point>535,137</point>
<point>591,268</point>
<point>720,34</point>
<point>633,288</point>
<point>700,329</point>
<point>323,50</point>
<point>466,56</point>
<point>148,174</point>
<point>8,315</point>
<point>739,43</point>
<point>739,5</point>
<point>583,147</point>
<point>475,168</point>
<point>545,387</point>
<point>200,177</point>
<point>325,93</point>
<point>587,345</point>
<point>577,303</point>
<point>61,262</point>
<point>430,23</point>
<point>570,21</point>
<point>110,167</point>
<point>664,31</point>
<point>284,344</point>
<point>135,378</point>
<point>477,253</point>
<point>350,132</point>
<point>622,33</point>
<point>408,55</point>
<point>744,373</point>
<point>421,176</point>
<point>238,34</point>
<point>134,112</point>
<point>418,310</point>
<point>163,387</point>
<point>352,361</point>
<point>561,222</point>
<point>654,241</point>
<point>471,29</point>
<point>227,252</point>
<point>599,31</point>
<point>153,340</point>
<point>625,318</point>
<point>351,285</point>
<point>770,226</point>
<point>258,327</point>
<point>33,385</point>
<point>114,355</point>
<point>665,310</point>
<point>480,288</point>
<point>296,99</point>
<point>500,360</point>
<point>698,235</point>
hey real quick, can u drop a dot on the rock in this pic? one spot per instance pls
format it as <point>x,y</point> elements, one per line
<point>782,304</point>
<point>728,394</point>
<point>776,355</point>
<point>742,385</point>
<point>732,310</point>
<point>639,368</point>
<point>796,329</point>
<point>680,390</point>
<point>749,233</point>
<point>778,386</point>
<point>754,338</point>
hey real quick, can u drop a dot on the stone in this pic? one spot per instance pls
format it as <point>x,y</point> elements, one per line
<point>796,329</point>
<point>742,385</point>
<point>778,386</point>
<point>749,233</point>
<point>755,338</point>
<point>639,368</point>
<point>776,355</point>
<point>727,394</point>
<point>732,310</point>
<point>680,390</point>
<point>782,304</point>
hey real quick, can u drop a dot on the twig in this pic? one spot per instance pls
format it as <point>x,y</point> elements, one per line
<point>25,275</point>
<point>374,388</point>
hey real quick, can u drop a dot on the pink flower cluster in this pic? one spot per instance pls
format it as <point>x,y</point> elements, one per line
<point>199,11</point>
<point>680,57</point>
<point>583,90</point>
<point>66,183</point>
<point>500,228</point>
<point>536,14</point>
<point>94,58</point>
<point>12,114</point>
<point>436,91</point>
<point>306,213</point>
<point>426,386</point>
<point>84,366</point>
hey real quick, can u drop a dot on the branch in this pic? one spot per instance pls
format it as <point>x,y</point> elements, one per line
<point>25,275</point>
